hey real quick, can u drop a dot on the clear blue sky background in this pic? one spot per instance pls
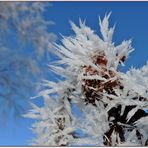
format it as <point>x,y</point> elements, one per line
<point>131,19</point>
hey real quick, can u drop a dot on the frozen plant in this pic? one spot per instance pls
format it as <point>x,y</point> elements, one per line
<point>23,44</point>
<point>112,103</point>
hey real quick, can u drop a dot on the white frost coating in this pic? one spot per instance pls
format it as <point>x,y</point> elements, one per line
<point>87,80</point>
<point>138,77</point>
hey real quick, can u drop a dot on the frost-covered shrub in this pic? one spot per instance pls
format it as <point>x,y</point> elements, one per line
<point>112,103</point>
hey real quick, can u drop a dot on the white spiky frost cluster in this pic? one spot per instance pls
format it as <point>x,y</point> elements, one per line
<point>58,123</point>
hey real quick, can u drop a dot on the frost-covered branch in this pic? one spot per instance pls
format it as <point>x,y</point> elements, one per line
<point>24,43</point>
<point>112,103</point>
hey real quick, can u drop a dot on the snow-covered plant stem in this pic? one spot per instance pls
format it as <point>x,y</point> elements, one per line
<point>112,103</point>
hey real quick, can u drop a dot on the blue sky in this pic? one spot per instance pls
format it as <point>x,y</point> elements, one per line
<point>131,19</point>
